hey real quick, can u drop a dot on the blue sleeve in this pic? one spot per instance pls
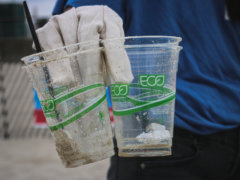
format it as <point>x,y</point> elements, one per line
<point>77,3</point>
<point>59,7</point>
<point>116,5</point>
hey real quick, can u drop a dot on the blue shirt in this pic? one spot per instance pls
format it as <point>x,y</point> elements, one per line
<point>208,79</point>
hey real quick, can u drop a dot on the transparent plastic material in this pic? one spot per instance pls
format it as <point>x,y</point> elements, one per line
<point>144,109</point>
<point>69,83</point>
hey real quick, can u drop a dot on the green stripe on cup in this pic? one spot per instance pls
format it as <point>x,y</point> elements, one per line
<point>75,110</point>
<point>50,115</point>
<point>145,106</point>
<point>74,93</point>
<point>161,90</point>
<point>79,115</point>
<point>134,101</point>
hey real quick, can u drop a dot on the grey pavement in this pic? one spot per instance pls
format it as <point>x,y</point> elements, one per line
<point>36,159</point>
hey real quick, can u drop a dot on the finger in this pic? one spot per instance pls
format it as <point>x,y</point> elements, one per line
<point>90,23</point>
<point>117,61</point>
<point>67,25</point>
<point>50,37</point>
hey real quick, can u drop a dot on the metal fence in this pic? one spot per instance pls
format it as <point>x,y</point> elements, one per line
<point>17,105</point>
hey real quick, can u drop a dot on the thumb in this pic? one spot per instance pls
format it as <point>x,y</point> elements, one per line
<point>49,36</point>
<point>116,58</point>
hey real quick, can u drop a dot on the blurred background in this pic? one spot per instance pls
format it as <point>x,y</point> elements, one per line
<point>27,150</point>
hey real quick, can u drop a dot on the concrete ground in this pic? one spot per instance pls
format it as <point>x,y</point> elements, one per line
<point>36,159</point>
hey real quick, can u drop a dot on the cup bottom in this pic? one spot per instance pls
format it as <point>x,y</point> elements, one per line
<point>91,158</point>
<point>145,151</point>
<point>133,148</point>
<point>77,151</point>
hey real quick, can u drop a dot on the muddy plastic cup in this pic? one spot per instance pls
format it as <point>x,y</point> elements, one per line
<point>73,99</point>
<point>144,109</point>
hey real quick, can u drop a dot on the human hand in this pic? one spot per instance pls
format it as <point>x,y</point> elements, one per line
<point>86,23</point>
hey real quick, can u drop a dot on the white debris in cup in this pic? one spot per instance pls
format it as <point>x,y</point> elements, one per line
<point>154,132</point>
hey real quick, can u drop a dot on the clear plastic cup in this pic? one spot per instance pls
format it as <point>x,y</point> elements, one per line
<point>69,83</point>
<point>144,109</point>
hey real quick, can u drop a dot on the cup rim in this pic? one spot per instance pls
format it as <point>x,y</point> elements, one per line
<point>176,47</point>
<point>173,45</point>
<point>25,59</point>
<point>178,39</point>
